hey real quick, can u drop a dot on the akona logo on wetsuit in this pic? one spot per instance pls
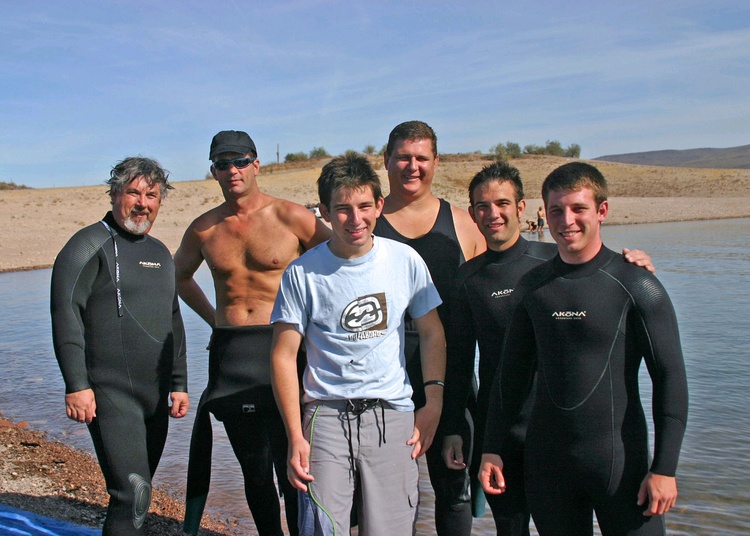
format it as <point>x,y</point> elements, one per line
<point>502,293</point>
<point>149,264</point>
<point>568,314</point>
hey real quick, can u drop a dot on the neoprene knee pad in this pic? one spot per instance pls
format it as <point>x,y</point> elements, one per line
<point>141,498</point>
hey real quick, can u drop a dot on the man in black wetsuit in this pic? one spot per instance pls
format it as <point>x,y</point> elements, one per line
<point>444,236</point>
<point>481,304</point>
<point>119,339</point>
<point>583,322</point>
<point>247,242</point>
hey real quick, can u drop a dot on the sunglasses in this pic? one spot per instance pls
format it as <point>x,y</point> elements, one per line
<point>239,163</point>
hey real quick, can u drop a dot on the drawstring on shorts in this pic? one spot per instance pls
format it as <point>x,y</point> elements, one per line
<point>355,408</point>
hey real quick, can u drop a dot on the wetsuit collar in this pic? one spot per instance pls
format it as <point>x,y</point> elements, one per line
<point>509,255</point>
<point>109,219</point>
<point>574,271</point>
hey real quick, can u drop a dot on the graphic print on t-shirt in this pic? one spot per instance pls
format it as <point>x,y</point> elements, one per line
<point>366,313</point>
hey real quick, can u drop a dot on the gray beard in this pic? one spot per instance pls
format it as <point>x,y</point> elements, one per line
<point>137,228</point>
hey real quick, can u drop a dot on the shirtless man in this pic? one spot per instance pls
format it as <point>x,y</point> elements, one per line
<point>247,242</point>
<point>540,220</point>
<point>445,237</point>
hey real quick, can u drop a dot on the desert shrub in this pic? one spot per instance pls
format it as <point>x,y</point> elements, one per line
<point>533,149</point>
<point>369,149</point>
<point>295,157</point>
<point>498,151</point>
<point>319,152</point>
<point>512,149</point>
<point>509,150</point>
<point>554,148</point>
<point>573,151</point>
<point>12,186</point>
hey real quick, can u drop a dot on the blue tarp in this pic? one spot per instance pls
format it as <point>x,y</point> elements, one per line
<point>14,522</point>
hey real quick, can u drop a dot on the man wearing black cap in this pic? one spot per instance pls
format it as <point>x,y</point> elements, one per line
<point>247,242</point>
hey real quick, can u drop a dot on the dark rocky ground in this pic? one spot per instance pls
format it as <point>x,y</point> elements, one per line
<point>55,480</point>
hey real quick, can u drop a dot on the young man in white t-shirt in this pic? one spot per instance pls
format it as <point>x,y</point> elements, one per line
<point>358,436</point>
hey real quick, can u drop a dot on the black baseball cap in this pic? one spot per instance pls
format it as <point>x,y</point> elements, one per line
<point>231,141</point>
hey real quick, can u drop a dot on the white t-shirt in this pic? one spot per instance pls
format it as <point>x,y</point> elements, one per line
<point>351,313</point>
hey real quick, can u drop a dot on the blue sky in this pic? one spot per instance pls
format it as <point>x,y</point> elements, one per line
<point>86,83</point>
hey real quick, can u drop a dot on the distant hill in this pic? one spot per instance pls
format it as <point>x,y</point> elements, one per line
<point>730,158</point>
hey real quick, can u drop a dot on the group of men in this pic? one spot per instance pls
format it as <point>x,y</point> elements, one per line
<point>328,360</point>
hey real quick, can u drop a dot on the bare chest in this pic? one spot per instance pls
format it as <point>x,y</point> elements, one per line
<point>253,247</point>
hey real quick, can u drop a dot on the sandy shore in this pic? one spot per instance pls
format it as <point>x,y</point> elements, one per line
<point>35,224</point>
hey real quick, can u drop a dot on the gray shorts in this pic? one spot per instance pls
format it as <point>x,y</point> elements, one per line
<point>359,457</point>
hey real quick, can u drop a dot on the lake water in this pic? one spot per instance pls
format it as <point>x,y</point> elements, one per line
<point>705,267</point>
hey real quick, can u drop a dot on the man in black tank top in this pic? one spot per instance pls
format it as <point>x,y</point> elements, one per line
<point>445,237</point>
<point>582,324</point>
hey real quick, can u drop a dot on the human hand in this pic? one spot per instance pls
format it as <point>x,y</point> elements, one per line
<point>298,466</point>
<point>660,491</point>
<point>180,404</point>
<point>453,452</point>
<point>639,258</point>
<point>81,406</point>
<point>426,421</point>
<point>491,474</point>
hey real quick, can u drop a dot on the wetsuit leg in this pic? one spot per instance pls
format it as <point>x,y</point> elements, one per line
<point>617,511</point>
<point>128,446</point>
<point>620,516</point>
<point>451,487</point>
<point>254,437</point>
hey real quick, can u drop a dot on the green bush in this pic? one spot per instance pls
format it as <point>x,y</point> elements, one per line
<point>295,157</point>
<point>512,149</point>
<point>369,149</point>
<point>319,152</point>
<point>533,149</point>
<point>573,151</point>
<point>498,151</point>
<point>554,148</point>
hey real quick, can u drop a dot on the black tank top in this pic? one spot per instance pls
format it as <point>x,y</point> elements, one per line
<point>441,252</point>
<point>439,248</point>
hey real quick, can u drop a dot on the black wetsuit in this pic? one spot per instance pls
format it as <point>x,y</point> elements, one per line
<point>239,394</point>
<point>585,329</point>
<point>481,306</point>
<point>443,255</point>
<point>131,352</point>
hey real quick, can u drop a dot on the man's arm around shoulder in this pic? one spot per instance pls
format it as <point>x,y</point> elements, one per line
<point>432,349</point>
<point>286,389</point>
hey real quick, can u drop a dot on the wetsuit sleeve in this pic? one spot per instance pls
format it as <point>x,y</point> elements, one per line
<point>461,340</point>
<point>513,380</point>
<point>179,366</point>
<point>660,343</point>
<point>73,276</point>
